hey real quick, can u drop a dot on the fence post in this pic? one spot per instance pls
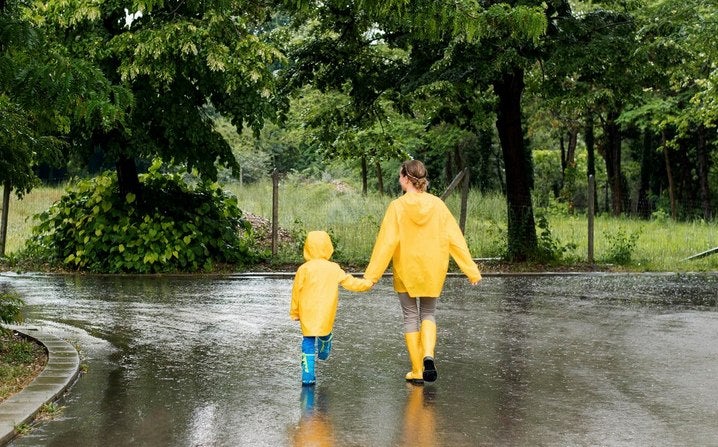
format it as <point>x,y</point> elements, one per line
<point>591,212</point>
<point>454,184</point>
<point>275,210</point>
<point>464,200</point>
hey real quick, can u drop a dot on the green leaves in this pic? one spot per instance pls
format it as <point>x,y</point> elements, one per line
<point>175,228</point>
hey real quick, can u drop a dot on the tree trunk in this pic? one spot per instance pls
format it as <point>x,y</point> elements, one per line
<point>591,154</point>
<point>127,177</point>
<point>643,205</point>
<point>568,184</point>
<point>612,156</point>
<point>522,241</point>
<point>669,174</point>
<point>379,178</point>
<point>703,168</point>
<point>562,147</point>
<point>364,176</point>
<point>5,212</point>
<point>571,151</point>
<point>484,168</point>
<point>459,159</point>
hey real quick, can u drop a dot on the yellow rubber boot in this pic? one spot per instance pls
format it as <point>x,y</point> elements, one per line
<point>428,343</point>
<point>413,345</point>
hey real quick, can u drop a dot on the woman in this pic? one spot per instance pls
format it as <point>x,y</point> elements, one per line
<point>418,234</point>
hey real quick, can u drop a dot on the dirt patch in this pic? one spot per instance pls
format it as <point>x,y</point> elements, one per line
<point>262,228</point>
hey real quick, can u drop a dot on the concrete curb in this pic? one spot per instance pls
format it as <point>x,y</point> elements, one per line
<point>61,371</point>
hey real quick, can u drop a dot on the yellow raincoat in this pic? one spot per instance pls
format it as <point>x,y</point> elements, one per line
<point>315,292</point>
<point>418,234</point>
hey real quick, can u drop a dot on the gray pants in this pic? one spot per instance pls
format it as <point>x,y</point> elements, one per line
<point>416,310</point>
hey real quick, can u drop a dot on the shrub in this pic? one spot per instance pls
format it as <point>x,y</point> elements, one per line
<point>11,308</point>
<point>174,227</point>
<point>550,250</point>
<point>620,246</point>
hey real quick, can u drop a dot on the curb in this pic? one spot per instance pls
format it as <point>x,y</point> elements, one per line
<point>61,371</point>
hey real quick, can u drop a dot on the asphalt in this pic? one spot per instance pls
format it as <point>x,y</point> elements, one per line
<point>61,371</point>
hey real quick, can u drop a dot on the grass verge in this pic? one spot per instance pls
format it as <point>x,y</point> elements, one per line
<point>21,360</point>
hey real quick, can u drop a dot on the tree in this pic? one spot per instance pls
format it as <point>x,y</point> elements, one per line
<point>499,38</point>
<point>591,71</point>
<point>43,93</point>
<point>181,62</point>
<point>678,107</point>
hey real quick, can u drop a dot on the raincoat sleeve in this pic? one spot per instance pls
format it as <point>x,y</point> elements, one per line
<point>296,293</point>
<point>460,251</point>
<point>386,242</point>
<point>356,284</point>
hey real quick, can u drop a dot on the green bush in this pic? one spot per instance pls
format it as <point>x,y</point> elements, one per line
<point>620,246</point>
<point>174,226</point>
<point>11,308</point>
<point>550,250</point>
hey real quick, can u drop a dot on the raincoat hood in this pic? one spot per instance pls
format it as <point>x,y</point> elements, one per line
<point>417,206</point>
<point>318,245</point>
<point>315,291</point>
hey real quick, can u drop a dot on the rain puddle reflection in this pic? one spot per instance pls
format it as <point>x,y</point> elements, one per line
<point>523,360</point>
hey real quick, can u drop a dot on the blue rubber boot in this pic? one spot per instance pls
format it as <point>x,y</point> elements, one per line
<point>325,346</point>
<point>308,376</point>
<point>309,349</point>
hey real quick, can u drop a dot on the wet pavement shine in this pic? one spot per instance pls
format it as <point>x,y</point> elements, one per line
<point>549,360</point>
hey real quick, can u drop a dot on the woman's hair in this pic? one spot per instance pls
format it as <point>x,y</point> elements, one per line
<point>415,171</point>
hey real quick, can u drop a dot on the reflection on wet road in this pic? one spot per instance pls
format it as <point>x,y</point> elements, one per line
<point>535,360</point>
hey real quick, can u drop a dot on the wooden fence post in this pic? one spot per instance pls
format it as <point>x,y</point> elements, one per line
<point>463,175</point>
<point>275,211</point>
<point>454,183</point>
<point>464,200</point>
<point>591,212</point>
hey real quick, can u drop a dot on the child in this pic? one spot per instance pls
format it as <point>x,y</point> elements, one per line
<point>315,296</point>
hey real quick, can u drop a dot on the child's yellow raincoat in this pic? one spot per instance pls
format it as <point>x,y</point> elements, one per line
<point>315,293</point>
<point>418,234</point>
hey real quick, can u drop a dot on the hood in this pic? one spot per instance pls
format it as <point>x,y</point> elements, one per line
<point>418,206</point>
<point>318,245</point>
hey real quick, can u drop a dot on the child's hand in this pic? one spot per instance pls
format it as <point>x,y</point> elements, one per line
<point>367,283</point>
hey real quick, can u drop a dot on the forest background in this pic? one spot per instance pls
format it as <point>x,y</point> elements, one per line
<point>152,111</point>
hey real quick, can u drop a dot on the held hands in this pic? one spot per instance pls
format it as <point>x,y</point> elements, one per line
<point>367,284</point>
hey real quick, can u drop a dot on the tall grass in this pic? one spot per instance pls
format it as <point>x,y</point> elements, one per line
<point>21,211</point>
<point>354,219</point>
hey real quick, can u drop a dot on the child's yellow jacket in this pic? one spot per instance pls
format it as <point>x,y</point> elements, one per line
<point>418,234</point>
<point>315,292</point>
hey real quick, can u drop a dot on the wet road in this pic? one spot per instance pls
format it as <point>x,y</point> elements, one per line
<point>617,360</point>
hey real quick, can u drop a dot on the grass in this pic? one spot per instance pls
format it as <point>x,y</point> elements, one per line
<point>353,220</point>
<point>20,362</point>
<point>21,211</point>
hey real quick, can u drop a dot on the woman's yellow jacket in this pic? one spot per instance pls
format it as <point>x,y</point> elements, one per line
<point>418,234</point>
<point>315,292</point>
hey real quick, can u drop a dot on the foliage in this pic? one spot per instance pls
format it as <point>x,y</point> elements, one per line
<point>11,305</point>
<point>547,176</point>
<point>620,246</point>
<point>176,227</point>
<point>171,67</point>
<point>255,163</point>
<point>550,250</point>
